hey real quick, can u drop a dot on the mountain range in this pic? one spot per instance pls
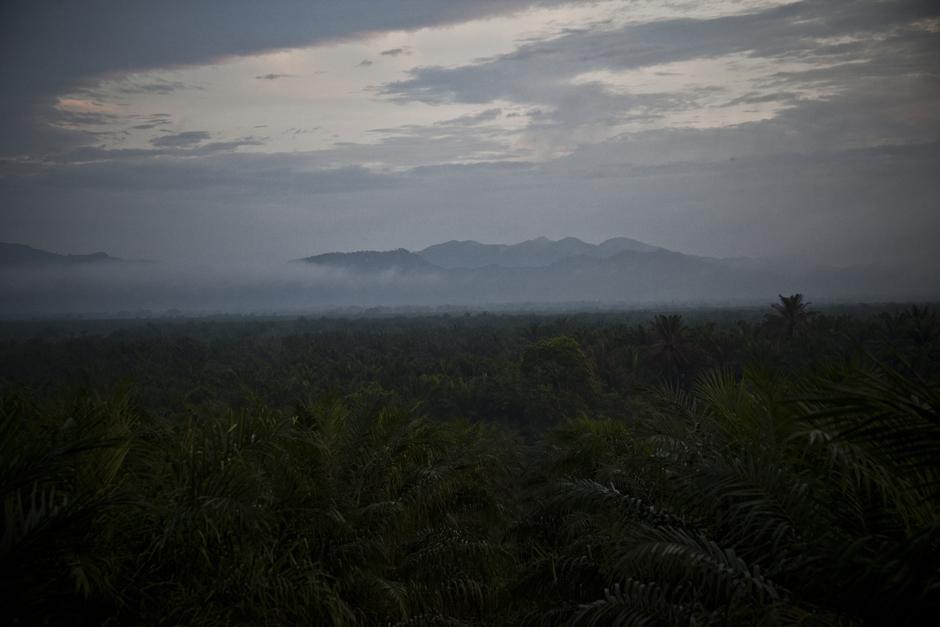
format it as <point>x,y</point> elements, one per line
<point>618,271</point>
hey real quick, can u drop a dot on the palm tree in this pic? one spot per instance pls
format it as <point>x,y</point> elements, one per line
<point>60,469</point>
<point>792,312</point>
<point>759,510</point>
<point>336,515</point>
<point>670,345</point>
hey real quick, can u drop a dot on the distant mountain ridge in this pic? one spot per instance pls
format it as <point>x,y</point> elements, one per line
<point>531,253</point>
<point>18,255</point>
<point>619,269</point>
<point>371,260</point>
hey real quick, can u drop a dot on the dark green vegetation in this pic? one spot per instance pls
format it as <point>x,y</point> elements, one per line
<point>742,468</point>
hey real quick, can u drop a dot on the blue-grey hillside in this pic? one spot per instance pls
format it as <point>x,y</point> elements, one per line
<point>13,255</point>
<point>619,270</point>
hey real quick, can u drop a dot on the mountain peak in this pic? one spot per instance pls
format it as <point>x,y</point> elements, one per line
<point>616,245</point>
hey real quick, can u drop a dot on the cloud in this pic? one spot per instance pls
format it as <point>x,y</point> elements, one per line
<point>224,146</point>
<point>273,77</point>
<point>150,125</point>
<point>295,132</point>
<point>394,52</point>
<point>829,110</point>
<point>364,63</point>
<point>211,166</point>
<point>142,36</point>
<point>83,118</point>
<point>588,83</point>
<point>156,87</point>
<point>187,144</point>
<point>151,120</point>
<point>473,119</point>
<point>180,140</point>
<point>542,66</point>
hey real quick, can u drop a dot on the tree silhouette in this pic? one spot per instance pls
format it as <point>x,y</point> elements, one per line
<point>792,312</point>
<point>670,346</point>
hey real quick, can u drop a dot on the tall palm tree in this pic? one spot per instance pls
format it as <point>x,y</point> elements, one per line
<point>792,311</point>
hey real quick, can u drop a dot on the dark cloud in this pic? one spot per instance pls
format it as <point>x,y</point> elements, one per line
<point>152,120</point>
<point>273,77</point>
<point>875,62</point>
<point>45,49</point>
<point>536,68</point>
<point>364,63</point>
<point>150,125</point>
<point>394,52</point>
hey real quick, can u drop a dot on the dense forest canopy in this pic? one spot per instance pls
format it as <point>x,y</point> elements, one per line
<point>772,466</point>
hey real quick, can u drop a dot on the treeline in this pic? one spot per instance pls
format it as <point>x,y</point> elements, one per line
<point>704,468</point>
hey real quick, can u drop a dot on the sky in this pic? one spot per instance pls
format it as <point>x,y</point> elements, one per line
<point>244,132</point>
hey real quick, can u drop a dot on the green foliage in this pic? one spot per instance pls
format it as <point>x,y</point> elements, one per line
<point>558,471</point>
<point>558,364</point>
<point>824,510</point>
<point>59,481</point>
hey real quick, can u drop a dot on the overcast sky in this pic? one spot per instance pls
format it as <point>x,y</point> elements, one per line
<point>248,131</point>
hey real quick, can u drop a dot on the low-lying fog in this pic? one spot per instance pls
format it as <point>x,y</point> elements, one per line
<point>154,288</point>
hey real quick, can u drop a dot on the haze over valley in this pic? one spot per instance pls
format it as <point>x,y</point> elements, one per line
<point>618,272</point>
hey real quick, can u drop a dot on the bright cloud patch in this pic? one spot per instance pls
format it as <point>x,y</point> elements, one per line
<point>331,96</point>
